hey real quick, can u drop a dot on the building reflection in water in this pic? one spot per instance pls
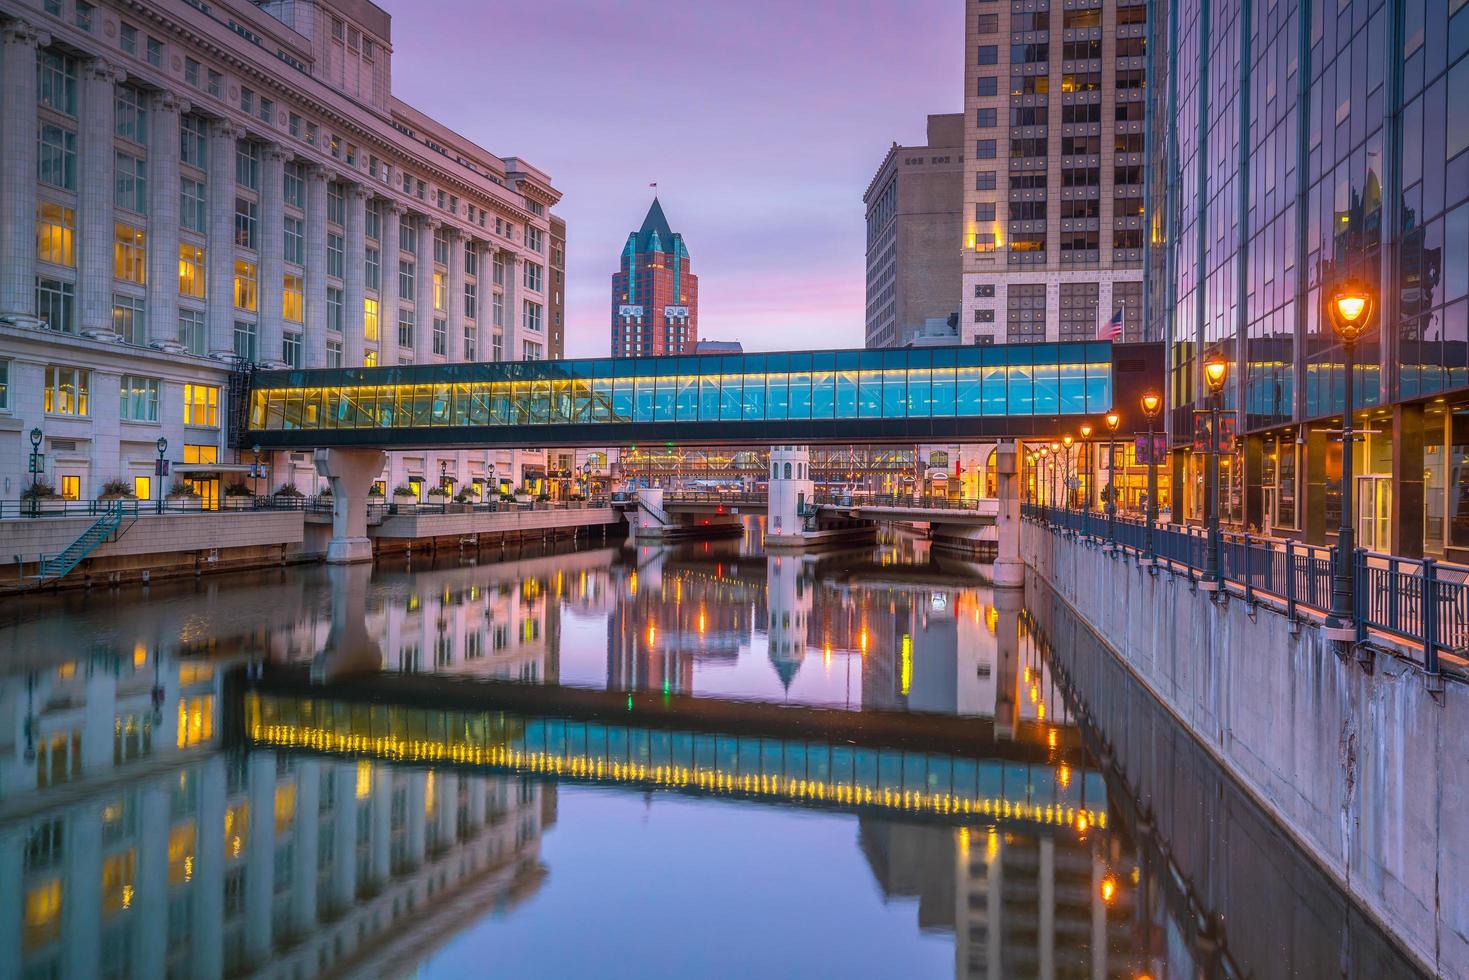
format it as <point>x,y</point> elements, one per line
<point>134,842</point>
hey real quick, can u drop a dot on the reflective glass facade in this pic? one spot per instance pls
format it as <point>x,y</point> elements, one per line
<point>784,396</point>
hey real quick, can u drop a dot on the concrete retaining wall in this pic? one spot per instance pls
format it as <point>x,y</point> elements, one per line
<point>491,522</point>
<point>1368,770</point>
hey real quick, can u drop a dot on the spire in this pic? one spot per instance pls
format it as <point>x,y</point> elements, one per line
<point>655,229</point>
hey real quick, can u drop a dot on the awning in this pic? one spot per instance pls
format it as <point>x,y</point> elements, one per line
<point>210,468</point>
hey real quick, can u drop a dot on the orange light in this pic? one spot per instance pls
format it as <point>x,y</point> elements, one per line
<point>1109,889</point>
<point>1082,823</point>
<point>1216,370</point>
<point>1152,404</point>
<point>1067,440</point>
<point>1086,430</point>
<point>1350,305</point>
<point>1113,420</point>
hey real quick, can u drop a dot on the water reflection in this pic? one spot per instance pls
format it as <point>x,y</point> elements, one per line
<point>368,772</point>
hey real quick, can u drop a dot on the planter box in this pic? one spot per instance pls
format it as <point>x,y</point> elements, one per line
<point>237,503</point>
<point>186,503</point>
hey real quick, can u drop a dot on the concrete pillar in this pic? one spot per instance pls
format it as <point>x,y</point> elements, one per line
<point>1009,570</point>
<point>789,602</point>
<point>1408,495</point>
<point>791,487</point>
<point>354,282</point>
<point>18,177</point>
<point>351,473</point>
<point>313,342</point>
<point>163,223</point>
<point>150,952</point>
<point>95,191</point>
<point>350,648</point>
<point>513,346</point>
<point>206,949</point>
<point>1254,461</point>
<point>390,226</point>
<point>81,894</point>
<point>269,342</point>
<point>1008,606</point>
<point>260,858</point>
<point>1313,491</point>
<point>220,260</point>
<point>307,828</point>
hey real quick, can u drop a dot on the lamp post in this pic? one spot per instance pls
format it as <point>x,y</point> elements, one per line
<point>1152,405</point>
<point>1046,478</point>
<point>1030,485</point>
<point>586,479</point>
<point>36,436</point>
<point>162,445</point>
<point>1066,441</point>
<point>1350,304</point>
<point>1216,371</point>
<point>1088,478</point>
<point>1113,420</point>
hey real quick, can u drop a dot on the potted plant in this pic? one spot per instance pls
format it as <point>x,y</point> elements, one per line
<point>238,496</point>
<point>117,489</point>
<point>523,495</point>
<point>184,497</point>
<point>41,497</point>
<point>404,500</point>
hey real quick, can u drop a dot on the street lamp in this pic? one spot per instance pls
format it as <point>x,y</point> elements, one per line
<point>162,445</point>
<point>1350,304</point>
<point>1113,420</point>
<point>1048,478</point>
<point>1152,405</point>
<point>1216,371</point>
<point>1088,478</point>
<point>1066,441</point>
<point>36,436</point>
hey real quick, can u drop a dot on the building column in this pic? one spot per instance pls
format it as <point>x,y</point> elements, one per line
<point>423,326</point>
<point>163,221</point>
<point>150,955</point>
<point>1009,570</point>
<point>313,340</point>
<point>344,837</point>
<point>388,283</point>
<point>351,473</point>
<point>206,948</point>
<point>95,123</point>
<point>455,300</point>
<point>259,858</point>
<point>417,817</point>
<point>512,307</point>
<point>269,342</point>
<point>18,132</point>
<point>307,827</point>
<point>1254,483</point>
<point>1408,493</point>
<point>220,163</point>
<point>354,284</point>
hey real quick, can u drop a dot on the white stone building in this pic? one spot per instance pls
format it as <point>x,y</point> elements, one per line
<point>313,220</point>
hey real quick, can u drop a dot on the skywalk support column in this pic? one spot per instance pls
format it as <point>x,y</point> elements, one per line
<point>350,473</point>
<point>350,648</point>
<point>1009,572</point>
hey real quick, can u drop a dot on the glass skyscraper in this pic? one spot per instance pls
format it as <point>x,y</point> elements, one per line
<point>1294,143</point>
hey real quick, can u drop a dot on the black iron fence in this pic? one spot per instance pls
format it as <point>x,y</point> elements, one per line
<point>1422,601</point>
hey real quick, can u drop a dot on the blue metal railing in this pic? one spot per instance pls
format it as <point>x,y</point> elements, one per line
<point>1421,601</point>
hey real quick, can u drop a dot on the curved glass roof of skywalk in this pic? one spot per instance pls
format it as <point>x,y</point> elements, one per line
<point>794,397</point>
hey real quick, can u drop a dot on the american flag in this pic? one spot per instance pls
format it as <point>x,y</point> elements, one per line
<point>1112,329</point>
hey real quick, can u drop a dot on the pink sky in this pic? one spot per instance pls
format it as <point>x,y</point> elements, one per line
<point>762,122</point>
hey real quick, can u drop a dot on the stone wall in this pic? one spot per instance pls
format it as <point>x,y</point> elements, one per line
<point>1367,769</point>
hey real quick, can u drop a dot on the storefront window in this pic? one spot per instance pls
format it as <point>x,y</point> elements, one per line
<point>1458,489</point>
<point>1433,484</point>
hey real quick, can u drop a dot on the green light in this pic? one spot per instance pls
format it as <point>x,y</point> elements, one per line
<point>629,702</point>
<point>665,688</point>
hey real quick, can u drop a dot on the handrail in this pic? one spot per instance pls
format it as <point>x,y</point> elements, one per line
<point>1421,601</point>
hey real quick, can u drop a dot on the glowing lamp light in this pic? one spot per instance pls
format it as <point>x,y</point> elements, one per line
<point>1113,420</point>
<point>1109,889</point>
<point>1152,404</point>
<point>1216,371</point>
<point>1066,440</point>
<point>1086,430</point>
<point>1350,306</point>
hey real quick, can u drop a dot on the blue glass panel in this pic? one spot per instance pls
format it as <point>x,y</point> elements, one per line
<point>731,399</point>
<point>996,398</point>
<point>1047,395</point>
<point>664,398</point>
<point>709,397</point>
<point>687,408</point>
<point>869,404</point>
<point>622,400</point>
<point>846,407</point>
<point>1021,385</point>
<point>1098,388</point>
<point>777,395</point>
<point>919,393</point>
<point>800,400</point>
<point>1072,384</point>
<point>895,393</point>
<point>943,392</point>
<point>969,401</point>
<point>823,392</point>
<point>754,396</point>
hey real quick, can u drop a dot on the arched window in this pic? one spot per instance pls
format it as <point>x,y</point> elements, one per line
<point>788,471</point>
<point>775,471</point>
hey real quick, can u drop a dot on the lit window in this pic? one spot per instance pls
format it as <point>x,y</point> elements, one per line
<point>56,234</point>
<point>441,291</point>
<point>246,285</point>
<point>192,276</point>
<point>201,405</point>
<point>129,257</point>
<point>66,391</point>
<point>369,319</point>
<point>293,303</point>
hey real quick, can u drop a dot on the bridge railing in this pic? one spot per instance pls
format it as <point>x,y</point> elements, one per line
<point>1420,601</point>
<point>904,500</point>
<point>736,497</point>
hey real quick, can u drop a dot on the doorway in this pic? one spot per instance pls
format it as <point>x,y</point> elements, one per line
<point>1374,512</point>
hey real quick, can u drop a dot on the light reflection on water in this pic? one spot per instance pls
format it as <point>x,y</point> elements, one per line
<point>135,841</point>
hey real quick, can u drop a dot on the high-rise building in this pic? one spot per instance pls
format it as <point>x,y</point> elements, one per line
<point>1296,148</point>
<point>1053,192</point>
<point>914,205</point>
<point>192,186</point>
<point>655,295</point>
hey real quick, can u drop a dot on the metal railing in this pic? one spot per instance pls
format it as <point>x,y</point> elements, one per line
<point>734,497</point>
<point>904,500</point>
<point>1424,602</point>
<point>133,507</point>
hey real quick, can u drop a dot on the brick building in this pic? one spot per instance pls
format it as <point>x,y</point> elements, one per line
<point>655,296</point>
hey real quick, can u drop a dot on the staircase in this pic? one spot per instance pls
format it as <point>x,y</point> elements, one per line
<point>56,566</point>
